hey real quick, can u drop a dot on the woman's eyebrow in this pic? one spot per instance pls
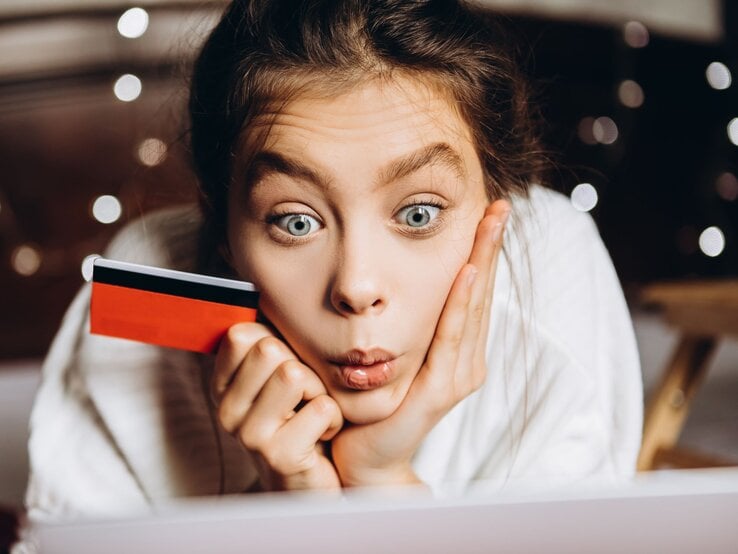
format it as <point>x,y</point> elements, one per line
<point>266,162</point>
<point>438,152</point>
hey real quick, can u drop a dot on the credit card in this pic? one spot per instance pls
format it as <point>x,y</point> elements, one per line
<point>167,307</point>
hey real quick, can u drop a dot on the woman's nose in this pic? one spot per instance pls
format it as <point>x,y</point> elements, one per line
<point>358,287</point>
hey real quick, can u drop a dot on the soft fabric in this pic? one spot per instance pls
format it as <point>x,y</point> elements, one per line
<point>120,426</point>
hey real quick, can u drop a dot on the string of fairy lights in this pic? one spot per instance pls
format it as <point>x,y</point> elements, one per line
<point>28,259</point>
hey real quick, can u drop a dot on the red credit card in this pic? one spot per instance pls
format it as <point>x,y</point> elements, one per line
<point>167,307</point>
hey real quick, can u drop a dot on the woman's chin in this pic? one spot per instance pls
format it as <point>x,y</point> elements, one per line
<point>365,407</point>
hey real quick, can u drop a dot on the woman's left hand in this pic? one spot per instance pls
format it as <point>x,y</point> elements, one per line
<point>381,453</point>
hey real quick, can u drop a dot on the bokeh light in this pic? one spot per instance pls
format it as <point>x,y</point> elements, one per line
<point>630,94</point>
<point>133,23</point>
<point>584,197</point>
<point>604,130</point>
<point>727,186</point>
<point>635,34</point>
<point>106,209</point>
<point>127,88</point>
<point>86,267</point>
<point>733,130</point>
<point>151,151</point>
<point>25,260</point>
<point>712,241</point>
<point>718,76</point>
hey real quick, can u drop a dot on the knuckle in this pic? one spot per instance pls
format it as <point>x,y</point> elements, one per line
<point>244,334</point>
<point>237,333</point>
<point>268,347</point>
<point>291,373</point>
<point>455,337</point>
<point>252,440</point>
<point>477,313</point>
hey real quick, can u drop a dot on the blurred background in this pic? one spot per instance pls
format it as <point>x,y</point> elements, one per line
<point>639,97</point>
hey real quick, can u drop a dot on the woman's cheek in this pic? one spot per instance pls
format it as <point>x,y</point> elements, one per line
<point>426,289</point>
<point>286,294</point>
<point>450,255</point>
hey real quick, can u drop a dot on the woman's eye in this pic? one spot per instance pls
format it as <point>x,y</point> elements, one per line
<point>418,215</point>
<point>297,225</point>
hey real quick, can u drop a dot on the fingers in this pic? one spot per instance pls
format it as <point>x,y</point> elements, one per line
<point>234,346</point>
<point>276,406</point>
<point>284,437</point>
<point>319,419</point>
<point>433,391</point>
<point>254,370</point>
<point>461,332</point>
<point>289,385</point>
<point>447,343</point>
<point>500,210</point>
<point>483,255</point>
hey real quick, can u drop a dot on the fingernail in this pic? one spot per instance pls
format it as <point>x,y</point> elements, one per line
<point>471,276</point>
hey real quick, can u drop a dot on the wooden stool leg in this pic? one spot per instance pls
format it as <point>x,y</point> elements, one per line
<point>669,404</point>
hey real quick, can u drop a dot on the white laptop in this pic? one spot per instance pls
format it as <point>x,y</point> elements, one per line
<point>673,512</point>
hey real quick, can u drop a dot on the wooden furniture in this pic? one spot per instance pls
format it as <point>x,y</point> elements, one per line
<point>703,312</point>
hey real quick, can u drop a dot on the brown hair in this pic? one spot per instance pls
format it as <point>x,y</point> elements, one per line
<point>262,49</point>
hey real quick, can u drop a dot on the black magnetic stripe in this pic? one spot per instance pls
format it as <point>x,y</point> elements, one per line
<point>176,287</point>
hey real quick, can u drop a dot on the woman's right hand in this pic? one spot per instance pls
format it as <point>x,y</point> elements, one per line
<point>277,407</point>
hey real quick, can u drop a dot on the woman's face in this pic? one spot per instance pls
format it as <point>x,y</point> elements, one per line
<point>353,221</point>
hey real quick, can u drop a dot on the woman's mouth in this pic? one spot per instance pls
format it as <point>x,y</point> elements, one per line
<point>365,370</point>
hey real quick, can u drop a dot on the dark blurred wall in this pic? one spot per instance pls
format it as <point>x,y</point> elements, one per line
<point>670,173</point>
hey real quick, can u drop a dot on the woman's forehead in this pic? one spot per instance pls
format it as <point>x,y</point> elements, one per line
<point>399,115</point>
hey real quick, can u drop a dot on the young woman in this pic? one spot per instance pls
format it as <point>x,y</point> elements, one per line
<point>364,163</point>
